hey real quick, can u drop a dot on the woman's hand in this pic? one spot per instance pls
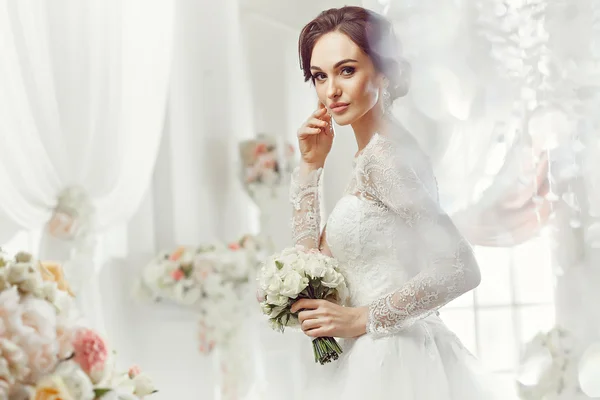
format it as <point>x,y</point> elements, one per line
<point>320,318</point>
<point>315,138</point>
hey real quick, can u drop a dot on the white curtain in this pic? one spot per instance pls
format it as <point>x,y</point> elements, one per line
<point>195,196</point>
<point>83,87</point>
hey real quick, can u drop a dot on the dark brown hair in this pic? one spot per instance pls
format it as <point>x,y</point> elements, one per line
<point>372,32</point>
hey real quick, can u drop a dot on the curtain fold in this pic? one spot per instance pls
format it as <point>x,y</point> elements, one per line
<point>83,90</point>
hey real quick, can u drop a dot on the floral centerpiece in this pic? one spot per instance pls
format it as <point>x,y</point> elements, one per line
<point>209,279</point>
<point>265,163</point>
<point>46,350</point>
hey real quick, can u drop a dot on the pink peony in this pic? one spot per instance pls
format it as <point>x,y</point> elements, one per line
<point>234,246</point>
<point>91,351</point>
<point>33,329</point>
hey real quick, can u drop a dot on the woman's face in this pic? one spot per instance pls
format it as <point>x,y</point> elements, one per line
<point>345,78</point>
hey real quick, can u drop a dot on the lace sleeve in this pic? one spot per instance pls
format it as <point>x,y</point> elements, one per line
<point>306,216</point>
<point>451,267</point>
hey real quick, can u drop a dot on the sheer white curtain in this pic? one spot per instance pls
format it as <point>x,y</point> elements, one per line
<point>194,197</point>
<point>83,88</point>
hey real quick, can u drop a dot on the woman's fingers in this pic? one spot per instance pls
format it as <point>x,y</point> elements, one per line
<point>309,324</point>
<point>317,123</point>
<point>307,131</point>
<point>320,112</point>
<point>318,332</point>
<point>308,314</point>
<point>305,304</point>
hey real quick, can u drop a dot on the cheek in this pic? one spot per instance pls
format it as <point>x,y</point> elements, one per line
<point>321,92</point>
<point>365,92</point>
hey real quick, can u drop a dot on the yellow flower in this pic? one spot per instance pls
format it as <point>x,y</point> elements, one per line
<point>51,388</point>
<point>53,272</point>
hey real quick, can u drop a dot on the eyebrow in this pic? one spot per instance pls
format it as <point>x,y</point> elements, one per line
<point>347,60</point>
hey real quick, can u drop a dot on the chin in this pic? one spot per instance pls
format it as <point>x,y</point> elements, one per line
<point>343,120</point>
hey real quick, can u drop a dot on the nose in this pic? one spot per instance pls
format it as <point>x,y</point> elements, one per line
<point>333,91</point>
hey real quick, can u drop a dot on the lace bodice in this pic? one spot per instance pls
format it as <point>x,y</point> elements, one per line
<point>401,254</point>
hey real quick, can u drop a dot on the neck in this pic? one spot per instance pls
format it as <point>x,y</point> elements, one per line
<point>367,125</point>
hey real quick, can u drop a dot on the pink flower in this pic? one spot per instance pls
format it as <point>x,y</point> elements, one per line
<point>177,274</point>
<point>260,295</point>
<point>260,148</point>
<point>176,255</point>
<point>91,351</point>
<point>234,246</point>
<point>134,371</point>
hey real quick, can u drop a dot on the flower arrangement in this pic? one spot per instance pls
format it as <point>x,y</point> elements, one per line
<point>549,367</point>
<point>73,218</point>
<point>294,274</point>
<point>208,279</point>
<point>265,164</point>
<point>46,351</point>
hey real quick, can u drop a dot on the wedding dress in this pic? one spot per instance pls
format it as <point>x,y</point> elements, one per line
<point>403,258</point>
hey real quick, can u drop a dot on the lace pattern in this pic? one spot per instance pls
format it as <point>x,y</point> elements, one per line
<point>306,218</point>
<point>388,176</point>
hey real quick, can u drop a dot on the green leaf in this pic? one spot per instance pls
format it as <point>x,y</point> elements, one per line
<point>279,264</point>
<point>187,270</point>
<point>101,392</point>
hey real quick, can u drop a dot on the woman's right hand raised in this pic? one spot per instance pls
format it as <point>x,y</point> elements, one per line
<point>315,137</point>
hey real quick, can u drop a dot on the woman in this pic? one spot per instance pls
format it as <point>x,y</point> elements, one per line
<point>401,255</point>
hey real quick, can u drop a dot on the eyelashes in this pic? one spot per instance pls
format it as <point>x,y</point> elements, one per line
<point>345,71</point>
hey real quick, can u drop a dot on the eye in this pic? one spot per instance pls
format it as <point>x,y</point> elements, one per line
<point>319,76</point>
<point>347,71</point>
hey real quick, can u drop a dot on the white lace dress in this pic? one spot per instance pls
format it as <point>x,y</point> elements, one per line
<point>403,258</point>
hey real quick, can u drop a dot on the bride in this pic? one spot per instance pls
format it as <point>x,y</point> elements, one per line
<point>401,255</point>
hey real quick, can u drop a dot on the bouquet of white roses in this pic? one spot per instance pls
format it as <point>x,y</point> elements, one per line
<point>294,274</point>
<point>45,349</point>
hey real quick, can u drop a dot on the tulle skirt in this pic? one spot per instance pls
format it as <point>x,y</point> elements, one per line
<point>425,362</point>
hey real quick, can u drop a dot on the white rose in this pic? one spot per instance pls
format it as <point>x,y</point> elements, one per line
<point>299,265</point>
<point>293,284</point>
<point>78,383</point>
<point>275,285</point>
<point>315,268</point>
<point>143,385</point>
<point>332,279</point>
<point>264,276</point>
<point>277,299</point>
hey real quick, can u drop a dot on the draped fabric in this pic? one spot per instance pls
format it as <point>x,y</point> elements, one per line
<point>83,87</point>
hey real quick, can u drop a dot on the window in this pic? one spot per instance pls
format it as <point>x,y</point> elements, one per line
<point>514,301</point>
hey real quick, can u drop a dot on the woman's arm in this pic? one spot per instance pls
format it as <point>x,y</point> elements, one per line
<point>452,269</point>
<point>306,214</point>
